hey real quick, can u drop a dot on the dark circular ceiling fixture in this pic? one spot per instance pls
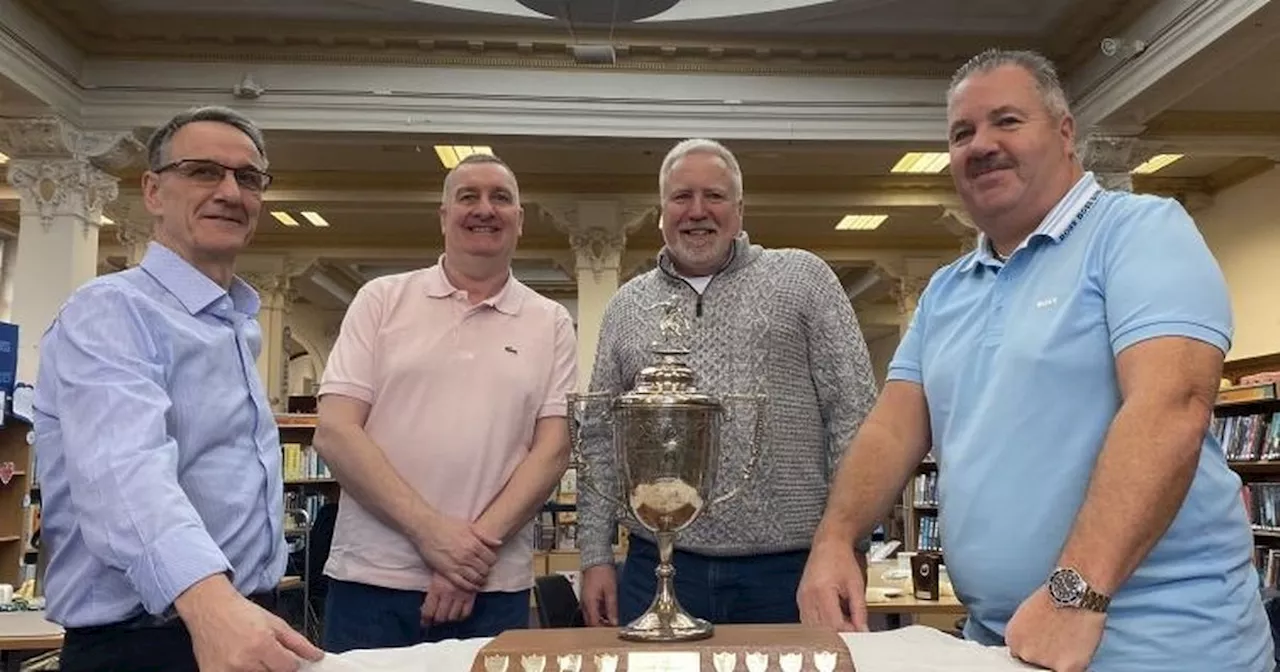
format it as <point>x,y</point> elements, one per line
<point>600,11</point>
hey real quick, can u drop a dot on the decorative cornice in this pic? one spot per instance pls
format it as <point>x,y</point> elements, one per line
<point>51,137</point>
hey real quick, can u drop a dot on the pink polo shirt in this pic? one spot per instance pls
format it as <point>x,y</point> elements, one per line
<point>454,391</point>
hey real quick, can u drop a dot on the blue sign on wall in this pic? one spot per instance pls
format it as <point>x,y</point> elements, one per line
<point>8,356</point>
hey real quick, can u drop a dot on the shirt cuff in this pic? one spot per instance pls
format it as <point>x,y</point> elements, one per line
<point>554,409</point>
<point>1191,330</point>
<point>173,563</point>
<point>909,374</point>
<point>352,390</point>
<point>591,552</point>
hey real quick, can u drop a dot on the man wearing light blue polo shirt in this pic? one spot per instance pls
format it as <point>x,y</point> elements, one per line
<point>1065,373</point>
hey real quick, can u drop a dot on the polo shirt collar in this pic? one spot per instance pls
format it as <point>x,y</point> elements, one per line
<point>508,299</point>
<point>1054,226</point>
<point>193,289</point>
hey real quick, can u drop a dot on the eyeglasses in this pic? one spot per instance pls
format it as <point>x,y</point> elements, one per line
<point>210,173</point>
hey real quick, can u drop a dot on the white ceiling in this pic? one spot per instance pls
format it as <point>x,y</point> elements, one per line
<point>1253,86</point>
<point>1011,17</point>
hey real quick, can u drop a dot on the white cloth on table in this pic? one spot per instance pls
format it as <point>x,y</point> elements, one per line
<point>915,648</point>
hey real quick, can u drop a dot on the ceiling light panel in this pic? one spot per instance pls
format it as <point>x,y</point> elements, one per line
<point>922,162</point>
<point>1155,163</point>
<point>861,222</point>
<point>314,218</point>
<point>285,218</point>
<point>451,155</point>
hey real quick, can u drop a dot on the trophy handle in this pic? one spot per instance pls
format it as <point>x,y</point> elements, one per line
<point>577,402</point>
<point>757,442</point>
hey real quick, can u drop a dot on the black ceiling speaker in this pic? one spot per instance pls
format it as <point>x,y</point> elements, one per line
<point>600,11</point>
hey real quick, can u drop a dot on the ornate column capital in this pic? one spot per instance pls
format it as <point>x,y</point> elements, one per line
<point>63,188</point>
<point>908,278</point>
<point>60,169</point>
<point>1112,156</point>
<point>598,230</point>
<point>275,283</point>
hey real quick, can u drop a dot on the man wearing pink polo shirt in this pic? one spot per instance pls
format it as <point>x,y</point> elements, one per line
<point>442,414</point>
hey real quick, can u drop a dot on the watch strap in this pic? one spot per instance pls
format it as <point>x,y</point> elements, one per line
<point>1094,601</point>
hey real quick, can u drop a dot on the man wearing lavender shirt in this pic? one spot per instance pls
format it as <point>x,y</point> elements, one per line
<point>158,454</point>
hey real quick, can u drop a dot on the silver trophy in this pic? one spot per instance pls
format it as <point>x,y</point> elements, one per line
<point>665,436</point>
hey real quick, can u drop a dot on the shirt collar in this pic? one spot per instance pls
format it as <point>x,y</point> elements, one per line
<point>1054,226</point>
<point>507,300</point>
<point>193,289</point>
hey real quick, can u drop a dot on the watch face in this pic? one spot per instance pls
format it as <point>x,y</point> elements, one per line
<point>1066,586</point>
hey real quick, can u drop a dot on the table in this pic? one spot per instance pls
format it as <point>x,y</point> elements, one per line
<point>26,631</point>
<point>915,648</point>
<point>908,604</point>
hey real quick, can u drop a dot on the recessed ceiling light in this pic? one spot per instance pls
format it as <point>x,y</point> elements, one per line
<point>922,162</point>
<point>860,222</point>
<point>451,155</point>
<point>1155,163</point>
<point>315,219</point>
<point>4,158</point>
<point>285,218</point>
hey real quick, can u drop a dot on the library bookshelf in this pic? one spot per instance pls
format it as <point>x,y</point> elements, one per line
<point>15,488</point>
<point>1246,423</point>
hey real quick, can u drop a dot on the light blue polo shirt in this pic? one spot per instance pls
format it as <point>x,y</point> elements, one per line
<point>1017,363</point>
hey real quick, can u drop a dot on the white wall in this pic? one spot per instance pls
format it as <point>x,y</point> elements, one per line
<point>1242,227</point>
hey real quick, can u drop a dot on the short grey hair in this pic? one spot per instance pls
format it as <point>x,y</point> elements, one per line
<point>158,144</point>
<point>700,146</point>
<point>1040,68</point>
<point>472,159</point>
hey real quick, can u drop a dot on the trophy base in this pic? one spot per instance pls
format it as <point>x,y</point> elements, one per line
<point>681,627</point>
<point>733,647</point>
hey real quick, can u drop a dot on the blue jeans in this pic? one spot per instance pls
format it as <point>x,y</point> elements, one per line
<point>360,616</point>
<point>733,589</point>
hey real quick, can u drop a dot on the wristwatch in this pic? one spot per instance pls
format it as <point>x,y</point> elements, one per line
<point>1068,589</point>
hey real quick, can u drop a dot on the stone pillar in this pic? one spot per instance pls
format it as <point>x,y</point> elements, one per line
<point>134,227</point>
<point>8,260</point>
<point>1111,157</point>
<point>276,294</point>
<point>598,235</point>
<point>959,223</point>
<point>909,278</point>
<point>58,173</point>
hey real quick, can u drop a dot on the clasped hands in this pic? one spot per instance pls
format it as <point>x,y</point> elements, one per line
<point>460,555</point>
<point>833,593</point>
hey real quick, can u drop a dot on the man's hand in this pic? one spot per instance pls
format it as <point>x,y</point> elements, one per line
<point>445,602</point>
<point>1060,639</point>
<point>463,554</point>
<point>231,634</point>
<point>833,590</point>
<point>600,596</point>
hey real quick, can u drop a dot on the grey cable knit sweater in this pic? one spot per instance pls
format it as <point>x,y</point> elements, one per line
<point>772,321</point>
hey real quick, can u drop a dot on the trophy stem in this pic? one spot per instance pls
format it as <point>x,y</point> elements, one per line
<point>665,620</point>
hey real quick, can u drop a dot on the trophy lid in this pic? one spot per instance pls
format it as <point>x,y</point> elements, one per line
<point>669,381</point>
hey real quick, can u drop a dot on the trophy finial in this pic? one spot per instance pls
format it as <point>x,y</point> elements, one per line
<point>673,328</point>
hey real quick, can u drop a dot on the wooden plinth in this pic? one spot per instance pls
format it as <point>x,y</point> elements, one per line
<point>559,649</point>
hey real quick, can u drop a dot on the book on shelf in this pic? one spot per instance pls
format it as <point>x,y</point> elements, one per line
<point>1248,437</point>
<point>303,463</point>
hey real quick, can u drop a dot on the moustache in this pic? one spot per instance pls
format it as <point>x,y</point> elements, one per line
<point>986,164</point>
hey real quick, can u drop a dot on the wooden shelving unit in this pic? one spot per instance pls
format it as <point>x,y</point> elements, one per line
<point>912,509</point>
<point>1247,423</point>
<point>15,455</point>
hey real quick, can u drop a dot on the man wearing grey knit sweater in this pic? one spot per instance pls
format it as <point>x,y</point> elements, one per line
<point>775,322</point>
